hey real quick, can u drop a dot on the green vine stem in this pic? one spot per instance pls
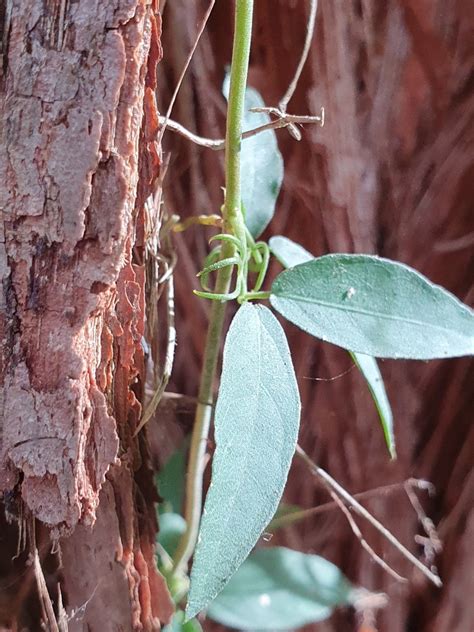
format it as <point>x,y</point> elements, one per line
<point>234,224</point>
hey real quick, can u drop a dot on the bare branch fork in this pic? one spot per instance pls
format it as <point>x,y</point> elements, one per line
<point>164,122</point>
<point>296,516</point>
<point>362,511</point>
<point>283,120</point>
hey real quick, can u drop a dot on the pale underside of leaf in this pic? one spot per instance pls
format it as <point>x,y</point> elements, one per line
<point>369,368</point>
<point>256,426</point>
<point>261,165</point>
<point>288,252</point>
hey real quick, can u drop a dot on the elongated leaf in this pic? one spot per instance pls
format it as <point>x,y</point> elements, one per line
<point>261,165</point>
<point>277,589</point>
<point>370,370</point>
<point>290,254</point>
<point>170,481</point>
<point>256,426</point>
<point>172,527</point>
<point>374,306</point>
<point>280,519</point>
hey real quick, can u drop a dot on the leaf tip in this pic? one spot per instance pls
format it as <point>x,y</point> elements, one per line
<point>193,608</point>
<point>190,612</point>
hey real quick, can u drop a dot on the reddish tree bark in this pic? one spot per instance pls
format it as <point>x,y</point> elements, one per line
<point>78,160</point>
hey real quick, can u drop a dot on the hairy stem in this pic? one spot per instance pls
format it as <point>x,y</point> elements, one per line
<point>234,224</point>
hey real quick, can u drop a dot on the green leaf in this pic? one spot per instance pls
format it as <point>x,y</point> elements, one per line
<point>374,306</point>
<point>277,589</point>
<point>171,480</point>
<point>289,255</point>
<point>282,517</point>
<point>178,624</point>
<point>256,426</point>
<point>369,368</point>
<point>171,528</point>
<point>261,165</point>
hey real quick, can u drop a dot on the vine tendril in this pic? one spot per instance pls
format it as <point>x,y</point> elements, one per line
<point>250,256</point>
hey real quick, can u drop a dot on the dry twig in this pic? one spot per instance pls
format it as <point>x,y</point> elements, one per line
<point>304,56</point>
<point>358,534</point>
<point>362,511</point>
<point>47,610</point>
<point>283,120</point>
<point>296,516</point>
<point>183,72</point>
<point>432,544</point>
<point>169,359</point>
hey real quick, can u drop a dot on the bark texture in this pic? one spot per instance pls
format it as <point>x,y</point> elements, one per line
<point>77,162</point>
<point>390,173</point>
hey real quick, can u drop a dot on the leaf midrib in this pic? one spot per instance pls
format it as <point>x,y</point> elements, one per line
<point>254,405</point>
<point>255,401</point>
<point>375,314</point>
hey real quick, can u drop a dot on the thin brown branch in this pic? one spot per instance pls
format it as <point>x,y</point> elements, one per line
<point>304,56</point>
<point>169,359</point>
<point>362,511</point>
<point>209,143</point>
<point>363,542</point>
<point>283,120</point>
<point>62,614</point>
<point>432,544</point>
<point>48,616</point>
<point>185,68</point>
<point>296,516</point>
<point>45,600</point>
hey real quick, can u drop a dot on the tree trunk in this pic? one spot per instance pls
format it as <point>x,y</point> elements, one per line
<point>78,160</point>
